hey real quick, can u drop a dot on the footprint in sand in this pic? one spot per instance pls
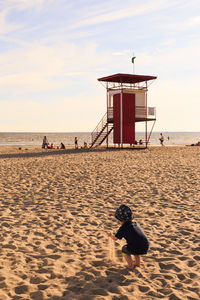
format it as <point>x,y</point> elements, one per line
<point>98,263</point>
<point>191,263</point>
<point>36,280</point>
<point>197,257</point>
<point>21,289</point>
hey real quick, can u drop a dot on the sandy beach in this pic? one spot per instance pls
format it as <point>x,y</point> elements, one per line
<point>57,207</point>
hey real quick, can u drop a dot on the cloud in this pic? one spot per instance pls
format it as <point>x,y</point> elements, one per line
<point>5,26</point>
<point>9,8</point>
<point>29,68</point>
<point>25,4</point>
<point>194,21</point>
<point>63,114</point>
<point>36,67</point>
<point>131,11</point>
<point>172,61</point>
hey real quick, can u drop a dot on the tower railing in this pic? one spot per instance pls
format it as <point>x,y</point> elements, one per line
<point>145,112</point>
<point>140,112</point>
<point>110,113</point>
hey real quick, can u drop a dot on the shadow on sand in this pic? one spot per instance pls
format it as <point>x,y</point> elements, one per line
<point>88,284</point>
<point>68,151</point>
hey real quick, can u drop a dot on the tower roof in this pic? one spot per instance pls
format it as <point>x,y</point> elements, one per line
<point>127,78</point>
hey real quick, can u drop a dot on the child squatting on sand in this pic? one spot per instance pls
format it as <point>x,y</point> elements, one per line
<point>137,242</point>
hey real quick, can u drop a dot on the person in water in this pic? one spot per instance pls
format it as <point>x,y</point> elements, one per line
<point>161,139</point>
<point>76,142</point>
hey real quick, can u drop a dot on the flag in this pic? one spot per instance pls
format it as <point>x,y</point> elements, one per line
<point>132,59</point>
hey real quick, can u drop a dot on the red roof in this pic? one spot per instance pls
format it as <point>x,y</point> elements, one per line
<point>126,78</point>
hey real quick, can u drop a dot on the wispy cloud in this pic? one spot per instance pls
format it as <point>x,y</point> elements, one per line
<point>131,11</point>
<point>24,4</point>
<point>178,63</point>
<point>37,67</point>
<point>5,26</point>
<point>9,7</point>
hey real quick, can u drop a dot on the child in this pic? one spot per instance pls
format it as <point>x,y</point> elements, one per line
<point>137,242</point>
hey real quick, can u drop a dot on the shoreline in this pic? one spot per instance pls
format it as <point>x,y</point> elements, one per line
<point>13,152</point>
<point>33,149</point>
<point>31,140</point>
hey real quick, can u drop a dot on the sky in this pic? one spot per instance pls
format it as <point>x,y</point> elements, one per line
<point>53,51</point>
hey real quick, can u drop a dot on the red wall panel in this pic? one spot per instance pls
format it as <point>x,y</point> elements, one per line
<point>116,119</point>
<point>128,118</point>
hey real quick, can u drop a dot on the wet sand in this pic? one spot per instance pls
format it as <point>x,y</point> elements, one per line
<point>56,209</point>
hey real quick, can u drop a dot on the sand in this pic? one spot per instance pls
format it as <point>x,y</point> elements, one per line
<point>56,210</point>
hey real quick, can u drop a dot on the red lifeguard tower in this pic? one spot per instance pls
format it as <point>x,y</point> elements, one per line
<point>126,105</point>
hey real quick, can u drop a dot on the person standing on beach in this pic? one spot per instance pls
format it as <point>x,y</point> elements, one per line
<point>76,142</point>
<point>45,142</point>
<point>137,242</point>
<point>161,139</point>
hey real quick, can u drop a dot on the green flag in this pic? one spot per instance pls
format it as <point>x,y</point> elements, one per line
<point>132,59</point>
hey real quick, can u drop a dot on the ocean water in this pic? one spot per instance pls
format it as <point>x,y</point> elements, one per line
<point>35,138</point>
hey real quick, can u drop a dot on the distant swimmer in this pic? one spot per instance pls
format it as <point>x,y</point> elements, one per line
<point>161,139</point>
<point>76,142</point>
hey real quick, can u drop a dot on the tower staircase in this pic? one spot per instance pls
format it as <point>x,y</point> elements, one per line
<point>101,132</point>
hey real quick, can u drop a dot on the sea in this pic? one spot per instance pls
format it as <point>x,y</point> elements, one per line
<point>67,138</point>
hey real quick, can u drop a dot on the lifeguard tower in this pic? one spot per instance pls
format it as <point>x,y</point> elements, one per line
<point>126,105</point>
